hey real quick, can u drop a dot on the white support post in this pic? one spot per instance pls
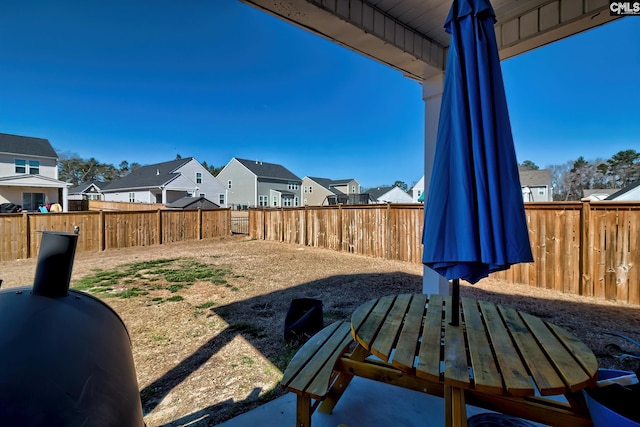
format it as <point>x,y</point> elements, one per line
<point>65,198</point>
<point>432,282</point>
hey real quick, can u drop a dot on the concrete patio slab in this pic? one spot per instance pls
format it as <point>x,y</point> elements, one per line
<point>365,403</point>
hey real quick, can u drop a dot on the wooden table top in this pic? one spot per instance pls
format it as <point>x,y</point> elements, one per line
<point>495,350</point>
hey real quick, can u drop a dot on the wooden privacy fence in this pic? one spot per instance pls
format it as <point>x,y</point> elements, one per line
<point>384,231</point>
<point>109,230</point>
<point>582,248</point>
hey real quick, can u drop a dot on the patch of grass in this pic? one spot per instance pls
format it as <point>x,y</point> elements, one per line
<point>130,293</point>
<point>246,360</point>
<point>140,278</point>
<point>207,304</point>
<point>175,287</point>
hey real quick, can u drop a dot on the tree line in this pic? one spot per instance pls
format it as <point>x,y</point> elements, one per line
<point>570,179</point>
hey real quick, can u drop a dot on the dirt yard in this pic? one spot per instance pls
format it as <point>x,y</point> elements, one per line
<point>208,342</point>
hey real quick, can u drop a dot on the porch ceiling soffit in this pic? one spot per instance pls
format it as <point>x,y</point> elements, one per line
<point>32,181</point>
<point>408,35</point>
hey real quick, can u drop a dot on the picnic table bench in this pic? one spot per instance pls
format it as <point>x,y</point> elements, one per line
<point>497,358</point>
<point>311,372</point>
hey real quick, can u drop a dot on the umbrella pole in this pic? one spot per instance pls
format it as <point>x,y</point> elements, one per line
<point>455,303</point>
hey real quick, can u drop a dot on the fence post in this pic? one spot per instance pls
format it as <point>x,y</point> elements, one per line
<point>305,228</point>
<point>101,231</point>
<point>27,245</point>
<point>340,233</point>
<point>199,223</point>
<point>159,225</point>
<point>584,267</point>
<point>388,231</point>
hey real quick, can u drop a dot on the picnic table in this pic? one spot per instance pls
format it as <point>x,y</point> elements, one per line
<point>498,358</point>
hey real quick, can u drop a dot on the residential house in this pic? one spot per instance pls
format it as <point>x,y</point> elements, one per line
<point>417,191</point>
<point>165,183</point>
<point>251,183</point>
<point>192,203</point>
<point>29,173</point>
<point>392,194</point>
<point>89,190</point>
<point>598,194</point>
<point>629,193</point>
<point>536,185</point>
<point>324,191</point>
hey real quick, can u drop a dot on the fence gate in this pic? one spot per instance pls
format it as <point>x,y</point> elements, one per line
<point>240,225</point>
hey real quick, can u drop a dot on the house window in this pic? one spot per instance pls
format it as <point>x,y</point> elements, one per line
<point>34,167</point>
<point>32,201</point>
<point>93,197</point>
<point>21,166</point>
<point>229,184</point>
<point>221,199</point>
<point>275,200</point>
<point>305,189</point>
<point>293,185</point>
<point>198,178</point>
<point>353,188</point>
<point>541,191</point>
<point>263,201</point>
<point>132,197</point>
<point>203,195</point>
<point>296,202</point>
<point>286,201</point>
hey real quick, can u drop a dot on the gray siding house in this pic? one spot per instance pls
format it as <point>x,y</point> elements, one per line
<point>165,183</point>
<point>323,191</point>
<point>536,185</point>
<point>29,173</point>
<point>89,190</point>
<point>251,183</point>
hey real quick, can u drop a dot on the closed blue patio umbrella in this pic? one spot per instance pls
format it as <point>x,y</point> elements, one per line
<point>474,216</point>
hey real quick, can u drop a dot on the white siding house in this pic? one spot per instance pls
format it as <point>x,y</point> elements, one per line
<point>29,173</point>
<point>417,190</point>
<point>389,195</point>
<point>629,193</point>
<point>165,183</point>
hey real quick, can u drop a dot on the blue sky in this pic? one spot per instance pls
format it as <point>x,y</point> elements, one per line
<point>144,81</point>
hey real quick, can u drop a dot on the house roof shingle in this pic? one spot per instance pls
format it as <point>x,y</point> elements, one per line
<point>185,202</point>
<point>26,145</point>
<point>535,178</point>
<point>379,191</point>
<point>624,190</point>
<point>268,170</point>
<point>154,175</point>
<point>84,186</point>
<point>330,184</point>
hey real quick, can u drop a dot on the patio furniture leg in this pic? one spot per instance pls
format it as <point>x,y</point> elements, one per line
<point>303,411</point>
<point>341,383</point>
<point>455,409</point>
